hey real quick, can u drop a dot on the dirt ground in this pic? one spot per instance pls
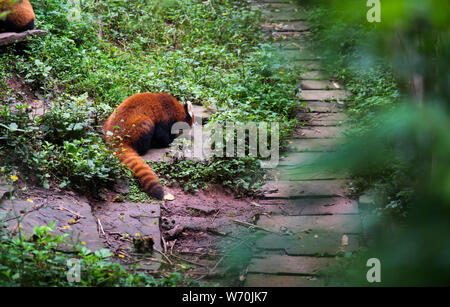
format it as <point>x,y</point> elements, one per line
<point>204,235</point>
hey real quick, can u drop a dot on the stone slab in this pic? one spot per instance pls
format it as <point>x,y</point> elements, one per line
<point>290,26</point>
<point>304,189</point>
<point>319,85</point>
<point>203,112</point>
<point>274,5</point>
<point>337,223</point>
<point>304,158</point>
<point>157,155</point>
<point>314,75</point>
<point>310,244</point>
<point>312,145</point>
<point>295,56</point>
<point>266,280</point>
<point>305,173</point>
<point>284,35</point>
<point>290,44</point>
<point>284,14</point>
<point>322,119</point>
<point>308,64</point>
<point>131,218</point>
<point>283,264</point>
<point>85,230</point>
<point>308,132</point>
<point>319,107</point>
<point>321,206</point>
<point>311,95</point>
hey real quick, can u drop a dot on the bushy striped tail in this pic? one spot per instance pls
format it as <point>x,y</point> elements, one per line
<point>149,181</point>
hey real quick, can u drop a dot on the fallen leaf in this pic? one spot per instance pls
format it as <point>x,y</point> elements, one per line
<point>169,197</point>
<point>344,240</point>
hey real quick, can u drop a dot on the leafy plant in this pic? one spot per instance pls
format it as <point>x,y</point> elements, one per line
<point>40,261</point>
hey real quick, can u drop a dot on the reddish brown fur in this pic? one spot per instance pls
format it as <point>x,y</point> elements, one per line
<point>133,120</point>
<point>21,14</point>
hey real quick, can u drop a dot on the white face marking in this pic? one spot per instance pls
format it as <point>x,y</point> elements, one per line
<point>189,107</point>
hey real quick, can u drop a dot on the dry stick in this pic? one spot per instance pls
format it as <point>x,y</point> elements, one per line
<point>189,261</point>
<point>171,248</point>
<point>253,226</point>
<point>164,244</point>
<point>73,212</point>
<point>217,264</point>
<point>100,226</point>
<point>214,217</point>
<point>164,255</point>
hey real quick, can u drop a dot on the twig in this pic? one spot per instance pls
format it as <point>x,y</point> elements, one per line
<point>100,227</point>
<point>214,217</point>
<point>252,226</point>
<point>217,264</point>
<point>171,248</point>
<point>164,244</point>
<point>189,261</point>
<point>70,211</point>
<point>164,255</point>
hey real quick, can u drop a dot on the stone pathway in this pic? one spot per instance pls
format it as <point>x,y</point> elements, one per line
<point>107,225</point>
<point>316,220</point>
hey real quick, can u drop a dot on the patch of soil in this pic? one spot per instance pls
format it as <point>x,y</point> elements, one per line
<point>198,232</point>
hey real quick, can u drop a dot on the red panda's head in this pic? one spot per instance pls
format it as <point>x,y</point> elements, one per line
<point>189,113</point>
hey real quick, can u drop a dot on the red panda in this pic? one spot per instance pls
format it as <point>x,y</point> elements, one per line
<point>140,122</point>
<point>20,18</point>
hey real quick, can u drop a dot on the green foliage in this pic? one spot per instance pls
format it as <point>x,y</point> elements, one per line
<point>210,53</point>
<point>66,120</point>
<point>242,175</point>
<point>81,163</point>
<point>40,261</point>
<point>343,43</point>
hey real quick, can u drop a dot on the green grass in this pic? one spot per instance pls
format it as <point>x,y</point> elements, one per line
<point>38,261</point>
<point>210,54</point>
